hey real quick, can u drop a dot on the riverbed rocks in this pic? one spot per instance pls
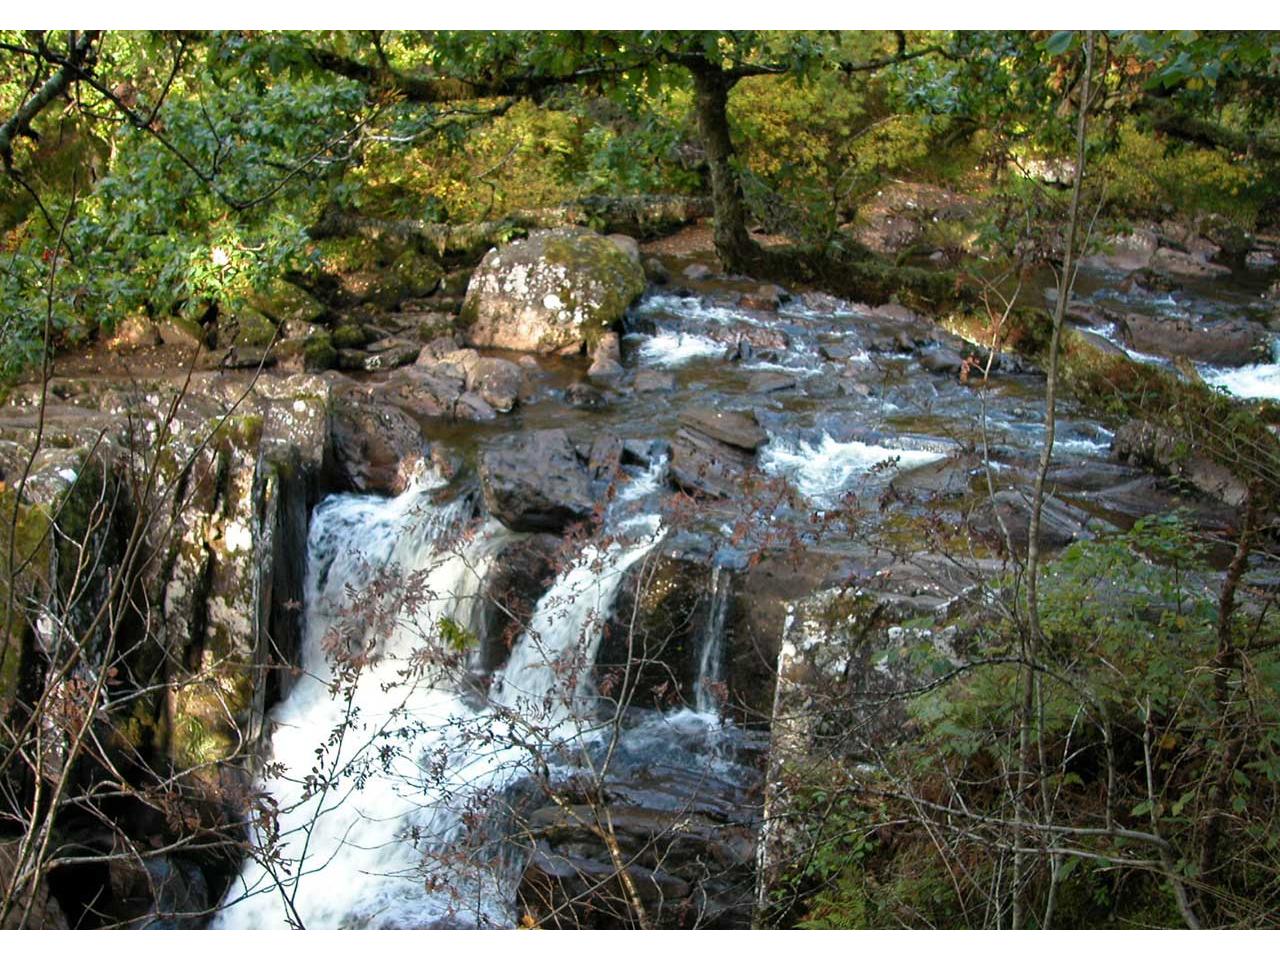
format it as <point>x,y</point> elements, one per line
<point>536,482</point>
<point>713,449</point>
<point>377,447</point>
<point>1145,444</point>
<point>556,291</point>
<point>1231,342</point>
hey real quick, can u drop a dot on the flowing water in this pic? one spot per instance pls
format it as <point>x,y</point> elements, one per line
<point>391,777</point>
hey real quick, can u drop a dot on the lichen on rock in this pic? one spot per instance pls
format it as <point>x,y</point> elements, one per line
<point>555,291</point>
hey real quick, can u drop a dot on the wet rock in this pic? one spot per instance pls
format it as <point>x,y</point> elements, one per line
<point>606,359</point>
<point>697,271</point>
<point>1182,264</point>
<point>651,645</point>
<point>644,453</point>
<point>604,457</point>
<point>768,381</point>
<point>517,579</point>
<point>552,292</point>
<point>1100,343</point>
<point>1224,342</point>
<point>736,429</point>
<point>654,381</point>
<point>1146,444</point>
<point>535,482</point>
<point>704,466</point>
<point>181,332</point>
<point>1260,260</point>
<point>377,448</point>
<point>583,396</point>
<point>472,406</point>
<point>1060,524</point>
<point>1147,495</point>
<point>498,382</point>
<point>941,359</point>
<point>656,272</point>
<point>767,298</point>
<point>160,893</point>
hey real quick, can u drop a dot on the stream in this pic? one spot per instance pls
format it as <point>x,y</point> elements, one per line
<point>398,768</point>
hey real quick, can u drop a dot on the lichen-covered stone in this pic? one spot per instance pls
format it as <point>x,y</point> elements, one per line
<point>554,292</point>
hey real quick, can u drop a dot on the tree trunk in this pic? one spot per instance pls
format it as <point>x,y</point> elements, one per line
<point>737,251</point>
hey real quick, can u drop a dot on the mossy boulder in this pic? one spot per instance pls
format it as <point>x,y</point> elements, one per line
<point>381,273</point>
<point>555,291</point>
<point>319,353</point>
<point>291,307</point>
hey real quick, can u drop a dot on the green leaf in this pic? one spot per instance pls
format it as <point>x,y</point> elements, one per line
<point>1060,43</point>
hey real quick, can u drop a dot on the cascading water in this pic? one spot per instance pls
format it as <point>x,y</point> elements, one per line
<point>376,768</point>
<point>710,661</point>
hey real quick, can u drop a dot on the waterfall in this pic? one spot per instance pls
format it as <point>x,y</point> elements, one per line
<point>380,768</point>
<point>710,662</point>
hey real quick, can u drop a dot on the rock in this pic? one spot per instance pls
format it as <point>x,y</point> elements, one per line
<point>704,466</point>
<point>767,297</point>
<point>553,292</point>
<point>604,458</point>
<point>181,332</point>
<point>769,381</point>
<point>606,359</point>
<point>472,406</point>
<point>1125,252</point>
<point>420,392</point>
<point>351,359</point>
<point>627,245</point>
<point>654,635</point>
<point>248,358</point>
<point>654,381</point>
<point>535,482</point>
<point>292,308</point>
<point>350,336</point>
<point>1223,342</point>
<point>377,448</point>
<point>736,429</point>
<point>1100,343</point>
<point>941,360</point>
<point>45,912</point>
<point>584,396</point>
<point>498,382</point>
<point>1181,264</point>
<point>134,332</point>
<point>389,354</point>
<point>516,580</point>
<point>697,271</point>
<point>318,353</point>
<point>656,272</point>
<point>1060,524</point>
<point>1148,445</point>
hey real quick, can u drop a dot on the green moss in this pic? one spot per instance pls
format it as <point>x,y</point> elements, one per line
<point>319,353</point>
<point>350,336</point>
<point>253,329</point>
<point>284,302</point>
<point>618,278</point>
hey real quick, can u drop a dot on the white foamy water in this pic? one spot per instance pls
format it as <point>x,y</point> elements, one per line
<point>1257,381</point>
<point>669,349</point>
<point>824,471</point>
<point>380,777</point>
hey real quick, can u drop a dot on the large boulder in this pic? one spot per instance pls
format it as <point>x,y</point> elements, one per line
<point>535,482</point>
<point>554,292</point>
<point>1225,342</point>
